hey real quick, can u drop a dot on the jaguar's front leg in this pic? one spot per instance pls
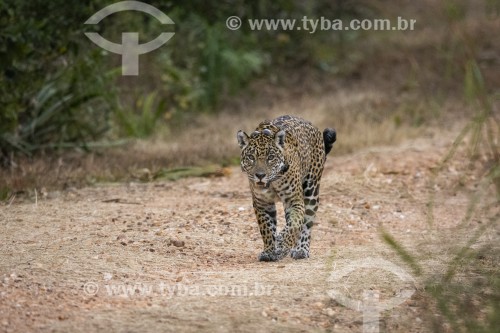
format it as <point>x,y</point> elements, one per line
<point>294,215</point>
<point>266,218</point>
<point>311,203</point>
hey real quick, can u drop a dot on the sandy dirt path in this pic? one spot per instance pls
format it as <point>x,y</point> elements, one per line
<point>182,256</point>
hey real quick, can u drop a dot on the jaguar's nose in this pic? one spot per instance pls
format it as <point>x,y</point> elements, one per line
<point>260,175</point>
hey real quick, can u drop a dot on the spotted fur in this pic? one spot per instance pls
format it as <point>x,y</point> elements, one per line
<point>284,160</point>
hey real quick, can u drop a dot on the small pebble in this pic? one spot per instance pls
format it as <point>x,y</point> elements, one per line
<point>330,312</point>
<point>177,243</point>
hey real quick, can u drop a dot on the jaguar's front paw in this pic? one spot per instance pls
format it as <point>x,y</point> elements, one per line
<point>275,255</point>
<point>299,254</point>
<point>268,256</point>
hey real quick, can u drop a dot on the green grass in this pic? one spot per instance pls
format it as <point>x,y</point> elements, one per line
<point>467,292</point>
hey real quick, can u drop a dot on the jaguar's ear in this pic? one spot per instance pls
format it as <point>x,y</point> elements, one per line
<point>280,139</point>
<point>242,139</point>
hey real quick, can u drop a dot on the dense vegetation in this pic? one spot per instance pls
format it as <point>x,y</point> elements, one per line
<point>57,89</point>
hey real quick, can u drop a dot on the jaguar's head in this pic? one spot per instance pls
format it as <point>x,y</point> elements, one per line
<point>262,156</point>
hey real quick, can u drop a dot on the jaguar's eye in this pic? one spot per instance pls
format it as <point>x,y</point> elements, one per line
<point>250,159</point>
<point>270,157</point>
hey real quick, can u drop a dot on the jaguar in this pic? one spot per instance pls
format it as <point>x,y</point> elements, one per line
<point>284,160</point>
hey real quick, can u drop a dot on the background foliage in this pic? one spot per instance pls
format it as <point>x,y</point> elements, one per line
<point>59,90</point>
<point>53,88</point>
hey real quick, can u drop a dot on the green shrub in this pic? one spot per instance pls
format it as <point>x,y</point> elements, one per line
<point>141,120</point>
<point>53,90</point>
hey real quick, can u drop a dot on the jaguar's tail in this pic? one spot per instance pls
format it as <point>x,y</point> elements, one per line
<point>329,137</point>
